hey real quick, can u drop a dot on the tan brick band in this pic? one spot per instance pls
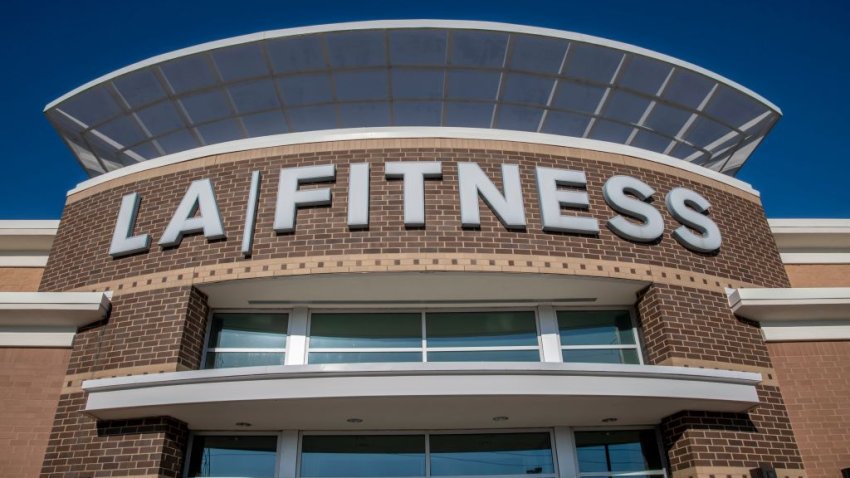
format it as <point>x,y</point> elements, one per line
<point>297,266</point>
<point>768,374</point>
<point>73,383</point>
<point>404,143</point>
<point>731,472</point>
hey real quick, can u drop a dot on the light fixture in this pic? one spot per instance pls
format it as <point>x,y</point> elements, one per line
<point>354,420</point>
<point>243,424</point>
<point>500,419</point>
<point>609,420</point>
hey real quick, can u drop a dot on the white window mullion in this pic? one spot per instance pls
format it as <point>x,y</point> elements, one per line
<point>550,339</point>
<point>565,453</point>
<point>296,342</point>
<point>287,454</point>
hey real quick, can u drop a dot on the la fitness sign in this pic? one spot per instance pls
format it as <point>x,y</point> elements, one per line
<point>637,220</point>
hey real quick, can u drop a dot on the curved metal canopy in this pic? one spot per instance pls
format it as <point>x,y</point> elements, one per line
<point>411,73</point>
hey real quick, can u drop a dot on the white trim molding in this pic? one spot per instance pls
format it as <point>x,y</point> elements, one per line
<point>812,241</point>
<point>26,243</point>
<point>455,394</point>
<point>798,314</point>
<point>411,132</point>
<point>48,319</point>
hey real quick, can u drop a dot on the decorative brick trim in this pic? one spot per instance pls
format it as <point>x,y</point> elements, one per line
<point>768,373</point>
<point>297,266</point>
<point>405,143</point>
<point>731,472</point>
<point>74,382</point>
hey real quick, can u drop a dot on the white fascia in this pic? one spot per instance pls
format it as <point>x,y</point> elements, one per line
<point>412,132</point>
<point>795,314</point>
<point>26,243</point>
<point>48,319</point>
<point>812,241</point>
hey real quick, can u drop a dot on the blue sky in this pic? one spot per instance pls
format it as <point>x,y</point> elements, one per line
<point>793,53</point>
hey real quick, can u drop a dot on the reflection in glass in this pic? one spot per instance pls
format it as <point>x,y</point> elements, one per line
<point>601,356</point>
<point>481,329</point>
<point>228,456</point>
<point>248,331</point>
<point>363,357</point>
<point>362,455</point>
<point>595,327</point>
<point>491,454</point>
<point>243,359</point>
<point>365,330</point>
<point>486,356</point>
<point>617,451</point>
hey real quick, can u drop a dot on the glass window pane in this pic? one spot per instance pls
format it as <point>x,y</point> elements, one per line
<point>595,327</point>
<point>491,454</point>
<point>365,330</point>
<point>610,131</point>
<point>207,106</point>
<point>358,115</point>
<point>192,72</point>
<point>263,124</point>
<point>486,356</point>
<point>666,119</point>
<point>220,131</point>
<point>628,356</point>
<point>240,62</point>
<point>228,456</point>
<point>139,87</point>
<point>527,88</point>
<point>177,141</point>
<point>306,89</point>
<point>687,88</point>
<point>651,141</point>
<point>577,97</point>
<point>626,107</point>
<point>362,455</point>
<point>417,84</point>
<point>361,85</point>
<point>243,359</point>
<point>356,48</point>
<point>470,115</point>
<point>254,96</point>
<point>592,62</point>
<point>644,74</point>
<point>363,357</point>
<point>302,53</point>
<point>473,84</point>
<point>248,331</point>
<point>417,113</point>
<point>567,124</point>
<point>617,451</point>
<point>161,118</point>
<point>313,118</point>
<point>518,118</point>
<point>481,329</point>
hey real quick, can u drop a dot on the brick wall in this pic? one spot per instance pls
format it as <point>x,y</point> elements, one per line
<point>30,380</point>
<point>20,279</point>
<point>818,275</point>
<point>815,383</point>
<point>158,322</point>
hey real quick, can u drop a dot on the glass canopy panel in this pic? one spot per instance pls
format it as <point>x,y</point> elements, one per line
<point>409,74</point>
<point>297,54</point>
<point>240,62</point>
<point>418,47</point>
<point>537,54</point>
<point>361,85</point>
<point>189,73</point>
<point>254,96</point>
<point>306,89</point>
<point>417,83</point>
<point>522,88</point>
<point>358,48</point>
<point>594,63</point>
<point>644,74</point>
<point>478,48</point>
<point>139,88</point>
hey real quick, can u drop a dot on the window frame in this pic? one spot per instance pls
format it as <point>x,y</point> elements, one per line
<point>423,348</point>
<point>637,346</point>
<point>208,335</point>
<point>190,443</point>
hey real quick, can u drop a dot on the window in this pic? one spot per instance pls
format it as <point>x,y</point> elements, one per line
<point>598,336</point>
<point>228,456</point>
<point>423,336</point>
<point>618,453</point>
<point>244,340</point>
<point>490,454</point>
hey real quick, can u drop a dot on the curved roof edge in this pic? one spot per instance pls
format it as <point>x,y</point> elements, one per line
<point>364,25</point>
<point>405,132</point>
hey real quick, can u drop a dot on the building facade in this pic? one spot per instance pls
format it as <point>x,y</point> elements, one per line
<point>421,248</point>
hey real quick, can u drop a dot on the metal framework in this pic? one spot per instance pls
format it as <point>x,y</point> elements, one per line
<point>411,73</point>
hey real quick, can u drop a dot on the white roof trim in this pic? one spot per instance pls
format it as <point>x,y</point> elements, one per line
<point>398,24</point>
<point>797,313</point>
<point>399,132</point>
<point>809,226</point>
<point>206,398</point>
<point>52,309</point>
<point>29,228</point>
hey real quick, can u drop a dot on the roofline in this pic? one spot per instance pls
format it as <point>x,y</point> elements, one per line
<point>405,24</point>
<point>405,132</point>
<point>29,227</point>
<point>809,226</point>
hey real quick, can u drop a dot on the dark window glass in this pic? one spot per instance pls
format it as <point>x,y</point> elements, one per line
<point>362,455</point>
<point>363,357</point>
<point>228,456</point>
<point>481,329</point>
<point>617,451</point>
<point>491,454</point>
<point>248,331</point>
<point>601,356</point>
<point>595,327</point>
<point>243,359</point>
<point>485,356</point>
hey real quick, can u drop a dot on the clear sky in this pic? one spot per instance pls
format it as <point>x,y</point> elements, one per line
<point>792,52</point>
